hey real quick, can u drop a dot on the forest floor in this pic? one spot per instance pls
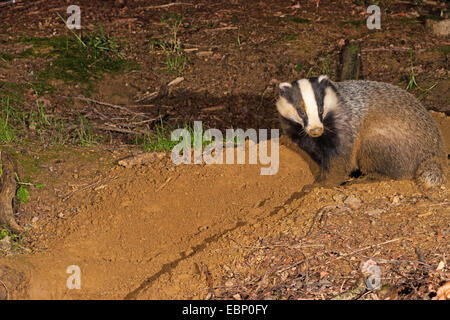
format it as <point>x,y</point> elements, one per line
<point>75,103</point>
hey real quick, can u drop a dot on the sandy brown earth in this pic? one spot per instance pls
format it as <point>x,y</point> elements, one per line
<point>155,231</point>
<point>161,231</point>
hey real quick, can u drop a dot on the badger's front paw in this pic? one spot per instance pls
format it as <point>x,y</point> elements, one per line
<point>309,187</point>
<point>319,184</point>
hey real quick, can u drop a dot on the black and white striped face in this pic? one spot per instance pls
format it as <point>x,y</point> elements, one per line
<point>307,102</point>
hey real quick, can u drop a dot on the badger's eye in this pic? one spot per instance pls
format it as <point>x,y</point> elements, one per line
<point>301,107</point>
<point>321,112</point>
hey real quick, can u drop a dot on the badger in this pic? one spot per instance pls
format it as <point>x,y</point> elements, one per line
<point>372,127</point>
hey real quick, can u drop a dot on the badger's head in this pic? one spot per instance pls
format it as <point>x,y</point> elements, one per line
<point>308,102</point>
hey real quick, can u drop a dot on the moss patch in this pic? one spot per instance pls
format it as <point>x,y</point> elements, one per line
<point>76,60</point>
<point>355,23</point>
<point>299,20</point>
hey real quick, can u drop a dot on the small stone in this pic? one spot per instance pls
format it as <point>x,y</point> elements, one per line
<point>126,203</point>
<point>5,243</point>
<point>353,202</point>
<point>375,213</point>
<point>237,296</point>
<point>439,28</point>
<point>229,283</point>
<point>395,200</point>
<point>339,197</point>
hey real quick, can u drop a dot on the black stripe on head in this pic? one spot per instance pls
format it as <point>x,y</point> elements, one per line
<point>319,92</point>
<point>291,93</point>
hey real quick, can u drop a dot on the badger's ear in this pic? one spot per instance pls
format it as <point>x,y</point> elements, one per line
<point>322,78</point>
<point>285,89</point>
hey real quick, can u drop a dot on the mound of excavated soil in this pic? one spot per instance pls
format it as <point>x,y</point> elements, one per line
<point>196,231</point>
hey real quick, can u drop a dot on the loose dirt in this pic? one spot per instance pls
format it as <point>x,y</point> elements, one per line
<point>161,231</point>
<point>154,231</point>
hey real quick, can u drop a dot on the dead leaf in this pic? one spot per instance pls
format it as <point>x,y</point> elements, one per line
<point>443,292</point>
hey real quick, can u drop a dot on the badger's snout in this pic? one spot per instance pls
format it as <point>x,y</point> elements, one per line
<point>315,132</point>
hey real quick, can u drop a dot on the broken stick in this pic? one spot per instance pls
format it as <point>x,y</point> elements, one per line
<point>8,192</point>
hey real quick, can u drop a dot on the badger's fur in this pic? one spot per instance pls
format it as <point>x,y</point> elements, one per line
<point>377,128</point>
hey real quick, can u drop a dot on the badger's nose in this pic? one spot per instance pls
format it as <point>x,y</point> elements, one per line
<point>315,132</point>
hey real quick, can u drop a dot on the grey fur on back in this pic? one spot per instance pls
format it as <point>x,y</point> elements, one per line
<point>389,117</point>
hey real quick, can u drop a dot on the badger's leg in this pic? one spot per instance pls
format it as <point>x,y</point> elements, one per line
<point>431,173</point>
<point>337,172</point>
<point>334,173</point>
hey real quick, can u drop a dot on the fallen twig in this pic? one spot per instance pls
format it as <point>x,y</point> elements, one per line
<point>406,49</point>
<point>319,215</point>
<point>107,105</point>
<point>380,260</point>
<point>148,96</point>
<point>6,288</point>
<point>8,185</point>
<point>369,247</point>
<point>220,29</point>
<point>168,5</point>
<point>164,184</point>
<point>208,277</point>
<point>175,81</point>
<point>81,189</point>
<point>298,246</point>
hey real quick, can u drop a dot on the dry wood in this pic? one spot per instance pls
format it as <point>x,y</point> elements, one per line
<point>140,159</point>
<point>7,193</point>
<point>168,5</point>
<point>107,105</point>
<point>351,61</point>
<point>215,108</point>
<point>148,96</point>
<point>121,130</point>
<point>175,81</point>
<point>380,260</point>
<point>81,189</point>
<point>402,49</point>
<point>220,29</point>
<point>140,105</point>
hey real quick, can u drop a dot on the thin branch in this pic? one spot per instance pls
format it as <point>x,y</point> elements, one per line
<point>168,5</point>
<point>81,189</point>
<point>388,261</point>
<point>107,105</point>
<point>121,130</point>
<point>6,288</point>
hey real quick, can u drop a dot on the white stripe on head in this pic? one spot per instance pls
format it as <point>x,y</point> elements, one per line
<point>311,108</point>
<point>288,111</point>
<point>330,101</point>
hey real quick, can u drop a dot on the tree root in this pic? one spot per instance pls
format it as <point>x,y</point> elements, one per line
<point>8,186</point>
